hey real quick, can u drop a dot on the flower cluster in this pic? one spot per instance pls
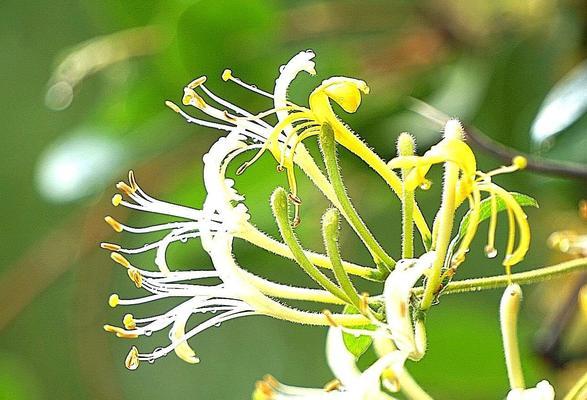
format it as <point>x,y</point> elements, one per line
<point>393,319</point>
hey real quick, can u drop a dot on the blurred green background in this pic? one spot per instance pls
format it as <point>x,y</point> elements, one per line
<point>83,85</point>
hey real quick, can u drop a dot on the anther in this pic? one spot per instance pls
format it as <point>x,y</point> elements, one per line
<point>296,222</point>
<point>120,259</point>
<point>135,276</point>
<point>132,180</point>
<point>332,385</point>
<point>229,116</point>
<point>197,82</point>
<point>280,168</point>
<point>132,359</point>
<point>190,97</point>
<point>294,199</point>
<point>226,75</point>
<point>123,187</point>
<point>520,162</point>
<point>113,300</point>
<point>173,106</point>
<point>364,303</point>
<point>113,223</point>
<point>129,322</point>
<point>330,318</point>
<point>426,184</point>
<point>109,246</point>
<point>116,199</point>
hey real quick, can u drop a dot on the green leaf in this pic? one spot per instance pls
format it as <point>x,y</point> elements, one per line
<point>357,345</point>
<point>485,210</point>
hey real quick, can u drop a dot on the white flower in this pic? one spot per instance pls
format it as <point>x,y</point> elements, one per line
<point>542,391</point>
<point>397,295</point>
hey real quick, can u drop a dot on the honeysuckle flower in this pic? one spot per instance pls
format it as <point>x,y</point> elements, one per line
<point>409,339</point>
<point>542,391</point>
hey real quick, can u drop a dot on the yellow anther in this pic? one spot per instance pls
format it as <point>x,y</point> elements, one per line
<point>191,98</point>
<point>113,223</point>
<point>132,359</point>
<point>197,82</point>
<point>123,187</point>
<point>173,106</point>
<point>263,391</point>
<point>120,259</point>
<point>111,329</point>
<point>226,75</point>
<point>330,318</point>
<point>135,276</point>
<point>129,322</point>
<point>116,199</point>
<point>332,385</point>
<point>520,162</point>
<point>109,246</point>
<point>121,333</point>
<point>364,303</point>
<point>113,300</point>
<point>229,116</point>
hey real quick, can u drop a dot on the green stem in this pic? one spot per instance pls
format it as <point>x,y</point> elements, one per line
<point>279,204</point>
<point>405,147</point>
<point>522,278</point>
<point>328,146</point>
<point>330,233</point>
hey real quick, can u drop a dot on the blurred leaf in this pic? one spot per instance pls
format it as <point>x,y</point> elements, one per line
<point>357,344</point>
<point>564,104</point>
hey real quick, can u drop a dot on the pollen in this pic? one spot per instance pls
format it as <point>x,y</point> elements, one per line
<point>113,223</point>
<point>132,359</point>
<point>226,75</point>
<point>109,246</point>
<point>120,259</point>
<point>116,199</point>
<point>113,300</point>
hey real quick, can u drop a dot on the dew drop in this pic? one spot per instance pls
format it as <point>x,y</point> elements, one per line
<point>490,251</point>
<point>183,239</point>
<point>148,332</point>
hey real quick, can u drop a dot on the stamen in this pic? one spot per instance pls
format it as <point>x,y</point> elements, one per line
<point>120,259</point>
<point>490,250</point>
<point>132,359</point>
<point>135,276</point>
<point>520,162</point>
<point>197,82</point>
<point>123,187</point>
<point>191,98</point>
<point>129,322</point>
<point>116,199</point>
<point>113,300</point>
<point>227,76</point>
<point>113,223</point>
<point>333,385</point>
<point>110,246</point>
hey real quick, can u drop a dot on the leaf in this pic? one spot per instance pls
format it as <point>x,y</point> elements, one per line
<point>357,344</point>
<point>485,210</point>
<point>563,105</point>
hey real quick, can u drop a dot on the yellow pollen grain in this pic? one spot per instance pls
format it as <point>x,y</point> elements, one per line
<point>113,223</point>
<point>226,75</point>
<point>113,300</point>
<point>109,246</point>
<point>120,259</point>
<point>116,199</point>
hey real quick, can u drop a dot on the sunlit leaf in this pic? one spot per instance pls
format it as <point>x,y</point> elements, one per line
<point>357,344</point>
